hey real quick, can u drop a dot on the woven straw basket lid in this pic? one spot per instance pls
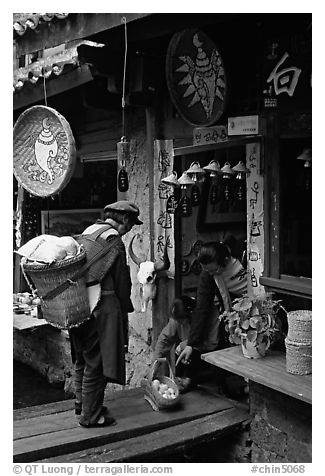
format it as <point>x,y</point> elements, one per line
<point>300,325</point>
<point>44,151</point>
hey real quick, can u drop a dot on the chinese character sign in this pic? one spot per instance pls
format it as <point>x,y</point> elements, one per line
<point>284,80</point>
<point>163,195</point>
<point>255,220</point>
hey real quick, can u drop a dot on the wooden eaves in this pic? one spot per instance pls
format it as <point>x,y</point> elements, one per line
<point>75,26</point>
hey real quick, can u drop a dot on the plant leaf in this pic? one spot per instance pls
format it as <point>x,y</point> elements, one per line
<point>243,305</point>
<point>245,324</point>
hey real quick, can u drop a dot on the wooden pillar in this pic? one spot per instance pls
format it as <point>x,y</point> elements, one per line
<point>18,237</point>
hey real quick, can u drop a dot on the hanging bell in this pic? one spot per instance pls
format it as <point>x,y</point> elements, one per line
<point>195,196</point>
<point>186,208</point>
<point>213,168</point>
<point>171,180</point>
<point>185,181</point>
<point>195,172</point>
<point>227,171</point>
<point>123,181</point>
<point>241,170</point>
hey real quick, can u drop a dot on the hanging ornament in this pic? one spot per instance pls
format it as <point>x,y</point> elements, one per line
<point>123,156</point>
<point>123,151</point>
<point>171,204</point>
<point>227,174</point>
<point>123,181</point>
<point>186,208</point>
<point>195,196</point>
<point>213,197</point>
<point>185,266</point>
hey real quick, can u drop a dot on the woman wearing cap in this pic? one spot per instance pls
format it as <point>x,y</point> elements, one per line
<point>222,278</point>
<point>98,345</point>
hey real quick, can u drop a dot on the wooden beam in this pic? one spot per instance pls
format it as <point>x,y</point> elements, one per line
<point>35,93</point>
<point>196,149</point>
<point>162,443</point>
<point>76,26</point>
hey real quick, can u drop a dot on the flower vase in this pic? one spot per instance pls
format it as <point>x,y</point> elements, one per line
<point>252,349</point>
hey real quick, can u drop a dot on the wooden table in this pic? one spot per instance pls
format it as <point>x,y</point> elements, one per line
<point>25,321</point>
<point>269,371</point>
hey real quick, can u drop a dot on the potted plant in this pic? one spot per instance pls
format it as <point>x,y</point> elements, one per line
<point>252,322</point>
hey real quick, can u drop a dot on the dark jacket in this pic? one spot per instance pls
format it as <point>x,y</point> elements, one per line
<point>207,291</point>
<point>109,319</point>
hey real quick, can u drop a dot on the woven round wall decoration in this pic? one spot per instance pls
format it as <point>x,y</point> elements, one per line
<point>44,151</point>
<point>196,77</point>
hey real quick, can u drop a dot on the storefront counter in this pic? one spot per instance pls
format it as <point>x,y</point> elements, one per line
<point>280,405</point>
<point>44,348</point>
<point>269,371</point>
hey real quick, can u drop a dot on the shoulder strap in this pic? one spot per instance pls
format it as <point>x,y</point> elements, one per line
<point>63,286</point>
<point>95,234</point>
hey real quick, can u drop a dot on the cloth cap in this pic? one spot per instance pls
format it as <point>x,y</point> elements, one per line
<point>123,206</point>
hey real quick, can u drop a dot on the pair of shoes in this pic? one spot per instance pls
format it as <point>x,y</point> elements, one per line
<point>104,420</point>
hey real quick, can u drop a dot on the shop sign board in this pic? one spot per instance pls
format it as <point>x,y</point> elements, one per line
<point>242,125</point>
<point>209,135</point>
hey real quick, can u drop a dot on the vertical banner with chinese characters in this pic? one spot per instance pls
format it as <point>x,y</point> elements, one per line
<point>163,202</point>
<point>255,220</point>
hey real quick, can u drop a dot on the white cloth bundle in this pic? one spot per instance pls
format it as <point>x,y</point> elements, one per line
<point>49,248</point>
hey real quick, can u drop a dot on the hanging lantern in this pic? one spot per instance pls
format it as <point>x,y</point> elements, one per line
<point>185,181</point>
<point>171,180</point>
<point>213,168</point>
<point>195,196</point>
<point>227,174</point>
<point>195,172</point>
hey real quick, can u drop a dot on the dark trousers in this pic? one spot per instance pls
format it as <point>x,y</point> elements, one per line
<point>193,369</point>
<point>90,382</point>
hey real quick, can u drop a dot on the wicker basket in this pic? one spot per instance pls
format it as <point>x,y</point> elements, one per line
<point>156,400</point>
<point>298,357</point>
<point>300,326</point>
<point>70,308</point>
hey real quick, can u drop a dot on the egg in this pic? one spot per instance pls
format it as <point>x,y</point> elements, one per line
<point>163,387</point>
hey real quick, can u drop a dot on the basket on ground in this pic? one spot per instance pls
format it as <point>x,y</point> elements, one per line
<point>151,394</point>
<point>69,308</point>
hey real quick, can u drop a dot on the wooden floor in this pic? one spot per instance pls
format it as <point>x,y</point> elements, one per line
<point>50,433</point>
